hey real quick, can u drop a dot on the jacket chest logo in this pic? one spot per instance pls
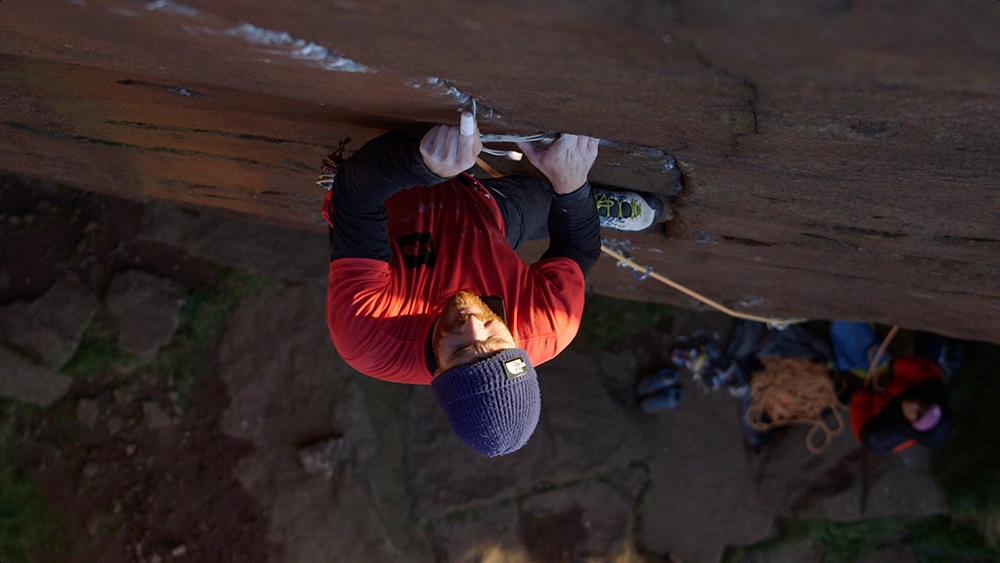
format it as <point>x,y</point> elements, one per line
<point>417,250</point>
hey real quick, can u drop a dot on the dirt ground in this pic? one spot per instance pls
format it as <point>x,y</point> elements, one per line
<point>125,490</point>
<point>145,464</point>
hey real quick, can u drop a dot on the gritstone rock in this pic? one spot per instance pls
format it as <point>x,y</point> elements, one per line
<point>25,381</point>
<point>322,457</point>
<point>146,310</point>
<point>52,325</point>
<point>155,416</point>
<point>593,518</point>
<point>258,248</point>
<point>87,411</point>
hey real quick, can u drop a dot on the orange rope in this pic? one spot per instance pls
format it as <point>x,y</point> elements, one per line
<point>777,323</point>
<point>487,168</point>
<point>794,391</point>
<point>871,378</point>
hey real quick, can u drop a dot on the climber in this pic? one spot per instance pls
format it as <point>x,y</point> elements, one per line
<point>425,286</point>
<point>912,408</point>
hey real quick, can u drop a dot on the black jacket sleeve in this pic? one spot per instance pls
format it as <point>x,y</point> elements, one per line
<point>378,170</point>
<point>574,228</point>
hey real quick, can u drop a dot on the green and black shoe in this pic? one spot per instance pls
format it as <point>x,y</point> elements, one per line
<point>627,211</point>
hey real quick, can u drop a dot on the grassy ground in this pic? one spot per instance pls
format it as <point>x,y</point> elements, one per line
<point>28,526</point>
<point>182,362</point>
<point>203,316</point>
<point>968,466</point>
<point>933,539</point>
<point>609,323</point>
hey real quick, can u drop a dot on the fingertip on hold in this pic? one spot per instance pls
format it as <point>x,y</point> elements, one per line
<point>468,124</point>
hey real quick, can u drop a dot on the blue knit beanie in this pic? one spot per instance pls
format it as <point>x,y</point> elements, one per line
<point>493,404</point>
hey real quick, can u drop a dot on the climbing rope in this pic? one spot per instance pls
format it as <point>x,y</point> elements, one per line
<point>872,377</point>
<point>647,271</point>
<point>490,171</point>
<point>794,391</point>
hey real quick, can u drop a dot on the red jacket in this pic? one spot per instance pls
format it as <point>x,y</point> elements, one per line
<point>445,238</point>
<point>906,372</point>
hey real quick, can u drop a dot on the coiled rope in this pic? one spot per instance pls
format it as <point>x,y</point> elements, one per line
<point>794,391</point>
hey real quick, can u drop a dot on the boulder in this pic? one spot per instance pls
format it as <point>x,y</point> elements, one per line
<point>146,310</point>
<point>839,158</point>
<point>26,381</point>
<point>253,245</point>
<point>50,327</point>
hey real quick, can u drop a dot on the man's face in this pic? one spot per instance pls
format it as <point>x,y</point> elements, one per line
<point>468,331</point>
<point>913,409</point>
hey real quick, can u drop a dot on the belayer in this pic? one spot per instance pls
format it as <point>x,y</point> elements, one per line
<point>913,407</point>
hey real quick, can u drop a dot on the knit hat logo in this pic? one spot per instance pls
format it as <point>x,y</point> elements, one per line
<point>515,367</point>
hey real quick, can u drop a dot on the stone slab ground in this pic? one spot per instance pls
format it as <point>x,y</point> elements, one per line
<point>150,475</point>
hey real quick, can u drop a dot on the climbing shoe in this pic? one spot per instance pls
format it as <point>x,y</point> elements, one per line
<point>664,400</point>
<point>666,377</point>
<point>626,211</point>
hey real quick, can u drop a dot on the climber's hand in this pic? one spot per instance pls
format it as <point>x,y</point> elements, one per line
<point>566,163</point>
<point>449,150</point>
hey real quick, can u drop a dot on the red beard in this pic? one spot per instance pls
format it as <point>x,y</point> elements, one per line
<point>452,316</point>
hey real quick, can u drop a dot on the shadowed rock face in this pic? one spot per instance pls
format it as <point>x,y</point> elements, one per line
<point>840,160</point>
